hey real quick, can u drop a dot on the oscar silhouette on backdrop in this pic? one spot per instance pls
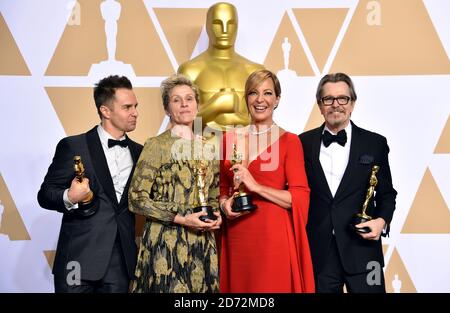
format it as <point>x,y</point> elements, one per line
<point>396,284</point>
<point>219,72</point>
<point>111,10</point>
<point>286,74</point>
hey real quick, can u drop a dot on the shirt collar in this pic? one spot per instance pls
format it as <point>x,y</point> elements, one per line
<point>348,130</point>
<point>104,136</point>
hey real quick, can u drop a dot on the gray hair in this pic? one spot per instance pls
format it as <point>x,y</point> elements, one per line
<point>173,81</point>
<point>334,78</point>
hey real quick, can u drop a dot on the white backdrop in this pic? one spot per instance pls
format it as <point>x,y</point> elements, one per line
<point>404,99</point>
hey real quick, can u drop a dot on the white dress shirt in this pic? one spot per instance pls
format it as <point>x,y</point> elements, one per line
<point>119,162</point>
<point>334,159</point>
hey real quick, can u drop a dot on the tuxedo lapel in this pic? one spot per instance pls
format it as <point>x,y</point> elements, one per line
<point>135,152</point>
<point>352,161</point>
<point>315,160</point>
<point>100,164</point>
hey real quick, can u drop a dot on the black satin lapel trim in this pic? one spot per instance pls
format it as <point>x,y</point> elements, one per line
<point>135,152</point>
<point>124,199</point>
<point>320,175</point>
<point>352,161</point>
<point>100,164</point>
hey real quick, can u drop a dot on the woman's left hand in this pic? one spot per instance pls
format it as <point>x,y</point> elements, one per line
<point>242,175</point>
<point>215,224</point>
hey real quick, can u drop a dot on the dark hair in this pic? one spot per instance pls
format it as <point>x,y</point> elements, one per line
<point>334,78</point>
<point>105,90</point>
<point>257,78</point>
<point>173,81</point>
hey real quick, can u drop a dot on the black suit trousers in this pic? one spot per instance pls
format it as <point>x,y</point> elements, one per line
<point>333,277</point>
<point>115,280</point>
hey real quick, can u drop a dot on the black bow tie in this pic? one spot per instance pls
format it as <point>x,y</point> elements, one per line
<point>122,143</point>
<point>340,138</point>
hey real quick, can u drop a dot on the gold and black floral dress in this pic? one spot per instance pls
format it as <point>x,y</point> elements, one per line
<point>173,258</point>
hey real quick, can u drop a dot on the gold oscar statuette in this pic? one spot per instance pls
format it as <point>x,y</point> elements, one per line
<point>363,217</point>
<point>202,192</point>
<point>220,72</point>
<point>79,174</point>
<point>241,200</point>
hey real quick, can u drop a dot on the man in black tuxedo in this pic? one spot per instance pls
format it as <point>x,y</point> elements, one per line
<point>96,249</point>
<point>338,159</point>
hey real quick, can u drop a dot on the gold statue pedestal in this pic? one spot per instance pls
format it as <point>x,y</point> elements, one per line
<point>243,202</point>
<point>86,210</point>
<point>209,211</point>
<point>358,219</point>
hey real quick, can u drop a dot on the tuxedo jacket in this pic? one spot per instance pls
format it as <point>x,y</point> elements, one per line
<point>89,240</point>
<point>328,214</point>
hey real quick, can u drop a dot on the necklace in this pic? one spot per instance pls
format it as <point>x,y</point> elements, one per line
<point>261,132</point>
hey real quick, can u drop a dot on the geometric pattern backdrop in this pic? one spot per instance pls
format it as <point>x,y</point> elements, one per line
<point>397,51</point>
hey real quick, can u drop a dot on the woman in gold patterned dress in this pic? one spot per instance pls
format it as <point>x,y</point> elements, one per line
<point>178,251</point>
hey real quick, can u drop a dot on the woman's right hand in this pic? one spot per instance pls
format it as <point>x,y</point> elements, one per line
<point>226,208</point>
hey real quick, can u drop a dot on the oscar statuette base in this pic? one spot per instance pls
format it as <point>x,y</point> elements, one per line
<point>358,219</point>
<point>243,203</point>
<point>208,209</point>
<point>88,207</point>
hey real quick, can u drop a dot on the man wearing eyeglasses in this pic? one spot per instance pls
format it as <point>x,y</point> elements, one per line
<point>339,157</point>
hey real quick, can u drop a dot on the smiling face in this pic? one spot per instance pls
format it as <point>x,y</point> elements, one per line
<point>337,116</point>
<point>183,106</point>
<point>221,25</point>
<point>262,101</point>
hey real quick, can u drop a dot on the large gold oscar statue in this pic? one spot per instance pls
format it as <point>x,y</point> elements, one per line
<point>219,72</point>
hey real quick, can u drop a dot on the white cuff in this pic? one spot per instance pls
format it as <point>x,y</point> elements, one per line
<point>69,205</point>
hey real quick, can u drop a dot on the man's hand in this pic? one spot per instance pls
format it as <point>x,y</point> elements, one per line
<point>376,226</point>
<point>78,191</point>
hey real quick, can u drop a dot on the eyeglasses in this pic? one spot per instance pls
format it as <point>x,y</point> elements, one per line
<point>341,100</point>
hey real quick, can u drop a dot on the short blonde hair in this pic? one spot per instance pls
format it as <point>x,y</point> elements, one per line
<point>257,78</point>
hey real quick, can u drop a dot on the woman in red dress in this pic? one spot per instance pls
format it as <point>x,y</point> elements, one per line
<point>265,249</point>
